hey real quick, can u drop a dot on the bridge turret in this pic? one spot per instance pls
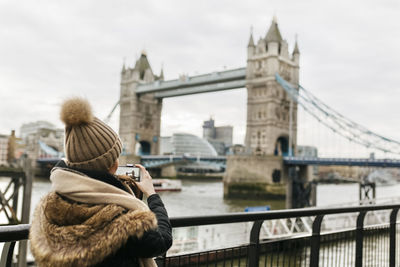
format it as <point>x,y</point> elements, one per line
<point>296,61</point>
<point>261,46</point>
<point>142,65</point>
<point>123,69</point>
<point>284,51</point>
<point>296,53</point>
<point>251,47</point>
<point>273,38</point>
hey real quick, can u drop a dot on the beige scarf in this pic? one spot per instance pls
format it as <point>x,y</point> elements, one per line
<point>80,188</point>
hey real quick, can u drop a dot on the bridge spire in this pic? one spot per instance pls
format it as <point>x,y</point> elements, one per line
<point>123,66</point>
<point>296,47</point>
<point>162,73</point>
<point>273,34</point>
<point>142,65</point>
<point>251,41</point>
<point>251,47</point>
<point>296,53</point>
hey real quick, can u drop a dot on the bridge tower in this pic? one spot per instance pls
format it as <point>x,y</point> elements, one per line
<point>140,115</point>
<point>271,124</point>
<point>268,105</point>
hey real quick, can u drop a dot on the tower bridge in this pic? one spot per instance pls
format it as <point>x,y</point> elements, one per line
<point>270,117</point>
<point>271,78</point>
<point>271,126</point>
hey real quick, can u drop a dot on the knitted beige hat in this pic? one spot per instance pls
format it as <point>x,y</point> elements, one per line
<point>89,142</point>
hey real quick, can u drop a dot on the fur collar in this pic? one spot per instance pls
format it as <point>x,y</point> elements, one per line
<point>68,233</point>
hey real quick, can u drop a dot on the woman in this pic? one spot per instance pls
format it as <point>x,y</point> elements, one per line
<point>91,217</point>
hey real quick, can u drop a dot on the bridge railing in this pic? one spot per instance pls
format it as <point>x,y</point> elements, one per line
<point>365,245</point>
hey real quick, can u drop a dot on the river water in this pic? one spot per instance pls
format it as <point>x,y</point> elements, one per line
<point>204,197</point>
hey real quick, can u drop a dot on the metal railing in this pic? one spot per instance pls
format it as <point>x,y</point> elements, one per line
<point>371,245</point>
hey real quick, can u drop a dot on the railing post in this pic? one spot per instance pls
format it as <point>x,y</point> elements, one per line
<point>26,207</point>
<point>291,170</point>
<point>7,254</point>
<point>360,238</point>
<point>392,248</point>
<point>315,241</point>
<point>254,248</point>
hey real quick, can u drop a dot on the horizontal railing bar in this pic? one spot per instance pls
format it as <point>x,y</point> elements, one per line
<point>205,251</point>
<point>269,215</point>
<point>283,239</point>
<point>9,233</point>
<point>345,230</point>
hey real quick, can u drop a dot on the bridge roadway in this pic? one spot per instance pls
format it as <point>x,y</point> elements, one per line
<point>158,160</point>
<point>187,85</point>
<point>153,161</point>
<point>388,163</point>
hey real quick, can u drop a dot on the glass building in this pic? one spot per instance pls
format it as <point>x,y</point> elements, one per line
<point>186,144</point>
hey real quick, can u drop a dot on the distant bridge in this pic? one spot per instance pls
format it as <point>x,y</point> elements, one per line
<point>159,160</point>
<point>154,161</point>
<point>217,162</point>
<point>388,163</point>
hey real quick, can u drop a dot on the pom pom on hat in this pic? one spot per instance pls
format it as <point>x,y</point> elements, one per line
<point>76,111</point>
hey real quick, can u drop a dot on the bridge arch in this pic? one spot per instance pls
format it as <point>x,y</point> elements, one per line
<point>143,148</point>
<point>281,146</point>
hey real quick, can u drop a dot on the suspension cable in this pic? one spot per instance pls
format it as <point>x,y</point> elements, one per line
<point>338,123</point>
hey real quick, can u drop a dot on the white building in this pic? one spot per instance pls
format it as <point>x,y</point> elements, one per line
<point>42,140</point>
<point>3,149</point>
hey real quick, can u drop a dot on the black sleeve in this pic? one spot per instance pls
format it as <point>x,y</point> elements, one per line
<point>158,241</point>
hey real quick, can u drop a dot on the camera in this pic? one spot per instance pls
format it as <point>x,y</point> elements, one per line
<point>130,170</point>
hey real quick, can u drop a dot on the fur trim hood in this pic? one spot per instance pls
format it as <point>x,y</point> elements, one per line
<point>68,233</point>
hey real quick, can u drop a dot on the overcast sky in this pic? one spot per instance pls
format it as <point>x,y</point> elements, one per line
<point>49,50</point>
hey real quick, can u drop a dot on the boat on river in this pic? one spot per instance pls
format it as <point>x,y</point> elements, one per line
<point>161,185</point>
